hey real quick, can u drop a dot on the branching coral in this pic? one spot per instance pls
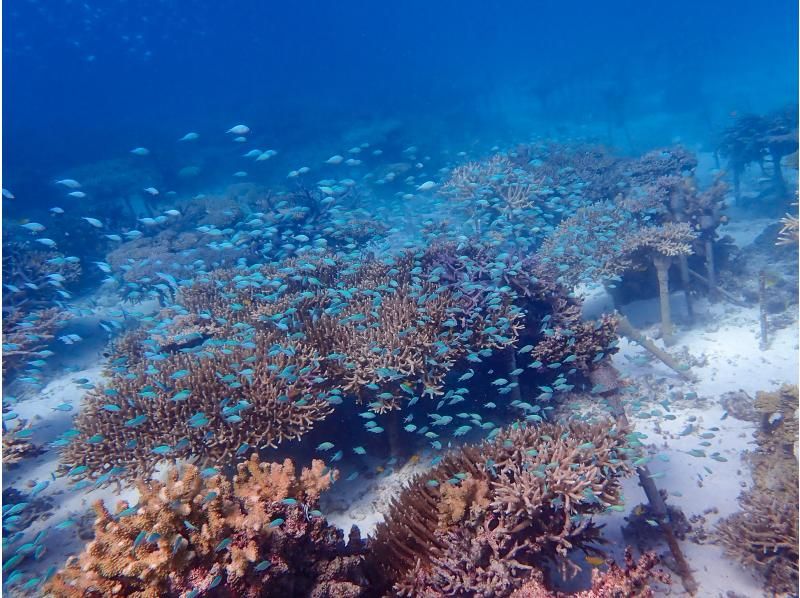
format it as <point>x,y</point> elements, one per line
<point>763,535</point>
<point>33,278</point>
<point>487,515</point>
<point>259,536</point>
<point>25,336</point>
<point>17,449</point>
<point>592,171</point>
<point>633,581</point>
<point>252,356</point>
<point>790,230</point>
<point>213,406</point>
<point>504,199</point>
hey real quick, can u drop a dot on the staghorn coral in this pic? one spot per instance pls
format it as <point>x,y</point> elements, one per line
<point>590,170</point>
<point>667,161</point>
<point>790,230</point>
<point>505,199</point>
<point>179,407</point>
<point>763,535</point>
<point>467,498</point>
<point>249,357</point>
<point>543,485</point>
<point>671,239</point>
<point>34,278</point>
<point>552,318</point>
<point>24,336</point>
<point>142,263</point>
<point>254,537</point>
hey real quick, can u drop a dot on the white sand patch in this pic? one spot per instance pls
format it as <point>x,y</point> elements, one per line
<point>727,338</point>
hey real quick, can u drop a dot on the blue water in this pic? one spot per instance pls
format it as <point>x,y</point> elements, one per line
<point>86,81</point>
<point>372,111</point>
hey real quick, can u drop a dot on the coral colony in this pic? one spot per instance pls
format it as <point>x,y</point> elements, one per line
<point>268,344</point>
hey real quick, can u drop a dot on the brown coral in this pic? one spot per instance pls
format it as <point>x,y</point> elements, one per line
<point>239,365</point>
<point>180,406</point>
<point>192,532</point>
<point>763,535</point>
<point>26,335</point>
<point>543,484</point>
<point>633,581</point>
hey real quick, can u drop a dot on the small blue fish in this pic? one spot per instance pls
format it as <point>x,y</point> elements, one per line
<point>276,522</point>
<point>182,395</point>
<point>136,421</point>
<point>128,512</point>
<point>263,566</point>
<point>39,487</point>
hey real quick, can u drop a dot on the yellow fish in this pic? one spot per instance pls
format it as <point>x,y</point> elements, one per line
<point>595,561</point>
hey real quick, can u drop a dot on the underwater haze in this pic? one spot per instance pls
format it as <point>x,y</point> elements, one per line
<point>83,81</point>
<point>360,299</point>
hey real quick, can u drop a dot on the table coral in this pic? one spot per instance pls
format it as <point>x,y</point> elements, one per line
<point>281,344</point>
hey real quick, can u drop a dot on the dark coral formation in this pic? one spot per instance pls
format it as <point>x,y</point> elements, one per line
<point>756,139</point>
<point>258,536</point>
<point>489,516</point>
<point>635,580</point>
<point>763,535</point>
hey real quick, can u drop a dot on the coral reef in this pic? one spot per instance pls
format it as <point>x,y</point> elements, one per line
<point>260,535</point>
<point>178,409</point>
<point>634,581</point>
<point>16,449</point>
<point>34,278</point>
<point>26,336</point>
<point>752,138</point>
<point>284,344</point>
<point>763,535</point>
<point>486,516</point>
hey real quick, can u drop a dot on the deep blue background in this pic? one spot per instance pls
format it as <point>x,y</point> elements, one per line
<point>86,80</point>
